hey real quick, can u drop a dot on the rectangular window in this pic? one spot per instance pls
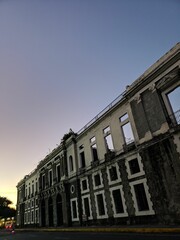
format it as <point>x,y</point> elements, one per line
<point>33,189</point>
<point>100,204</point>
<point>82,156</point>
<point>43,181</point>
<point>36,187</point>
<point>86,206</point>
<point>113,173</point>
<point>74,209</point>
<point>108,139</point>
<point>94,152</point>
<point>117,201</point>
<point>92,140</point>
<point>37,217</point>
<point>84,185</point>
<point>173,99</point>
<point>29,191</point>
<point>127,132</point>
<point>29,217</point>
<point>71,167</point>
<point>141,198</point>
<point>106,130</point>
<point>124,117</point>
<point>25,218</point>
<point>97,180</point>
<point>109,143</point>
<point>134,166</point>
<point>50,178</point>
<point>32,216</point>
<point>58,174</point>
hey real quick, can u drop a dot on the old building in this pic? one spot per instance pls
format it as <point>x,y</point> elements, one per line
<point>121,168</point>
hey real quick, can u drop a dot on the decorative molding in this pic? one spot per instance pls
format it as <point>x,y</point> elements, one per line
<point>137,98</point>
<point>152,87</point>
<point>166,79</point>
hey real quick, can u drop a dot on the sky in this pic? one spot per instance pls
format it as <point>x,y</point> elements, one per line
<point>63,61</point>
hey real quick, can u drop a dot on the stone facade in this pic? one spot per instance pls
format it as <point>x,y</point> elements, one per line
<point>121,168</point>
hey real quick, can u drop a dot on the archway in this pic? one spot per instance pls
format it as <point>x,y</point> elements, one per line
<point>59,210</point>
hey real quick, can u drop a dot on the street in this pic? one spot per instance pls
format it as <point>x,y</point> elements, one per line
<point>87,236</point>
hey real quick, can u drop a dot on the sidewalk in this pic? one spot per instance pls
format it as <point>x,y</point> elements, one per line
<point>120,229</point>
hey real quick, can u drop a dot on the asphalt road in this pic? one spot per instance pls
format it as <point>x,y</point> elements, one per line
<point>87,236</point>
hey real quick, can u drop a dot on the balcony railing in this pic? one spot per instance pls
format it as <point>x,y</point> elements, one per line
<point>175,118</point>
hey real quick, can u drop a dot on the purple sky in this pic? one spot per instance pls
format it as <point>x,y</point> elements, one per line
<point>63,61</point>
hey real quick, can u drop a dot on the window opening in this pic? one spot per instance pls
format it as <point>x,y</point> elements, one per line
<point>86,207</point>
<point>58,173</point>
<point>134,166</point>
<point>113,173</point>
<point>141,197</point>
<point>71,167</point>
<point>50,178</point>
<point>43,181</point>
<point>97,180</point>
<point>92,140</point>
<point>94,152</point>
<point>118,201</point>
<point>82,156</point>
<point>174,99</point>
<point>100,204</point>
<point>124,117</point>
<point>109,143</point>
<point>74,210</point>
<point>128,134</point>
<point>84,185</point>
<point>174,102</point>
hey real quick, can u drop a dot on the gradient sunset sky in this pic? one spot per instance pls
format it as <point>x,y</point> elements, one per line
<point>63,61</point>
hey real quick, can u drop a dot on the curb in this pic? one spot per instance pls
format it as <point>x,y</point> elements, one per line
<point>113,229</point>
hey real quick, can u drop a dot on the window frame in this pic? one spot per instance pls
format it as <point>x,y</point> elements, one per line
<point>101,185</point>
<point>141,172</point>
<point>82,161</point>
<point>167,102</point>
<point>118,174</point>
<point>74,219</point>
<point>148,197</point>
<point>81,185</point>
<point>96,204</point>
<point>83,206</point>
<point>124,214</point>
<point>122,123</point>
<point>107,133</point>
<point>71,164</point>
<point>50,178</point>
<point>58,172</point>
